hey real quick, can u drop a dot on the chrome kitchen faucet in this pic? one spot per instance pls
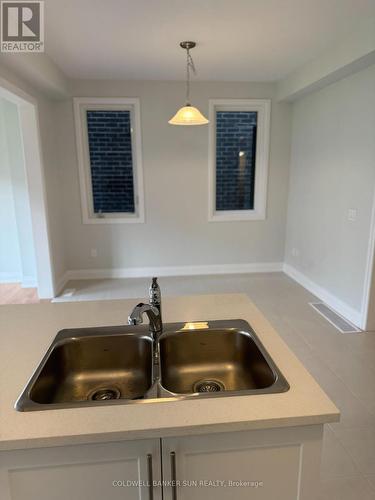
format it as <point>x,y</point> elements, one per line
<point>152,309</point>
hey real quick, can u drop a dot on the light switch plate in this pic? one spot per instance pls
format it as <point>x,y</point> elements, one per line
<point>352,214</point>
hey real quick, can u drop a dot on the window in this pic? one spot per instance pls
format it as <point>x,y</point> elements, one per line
<point>109,151</point>
<point>238,157</point>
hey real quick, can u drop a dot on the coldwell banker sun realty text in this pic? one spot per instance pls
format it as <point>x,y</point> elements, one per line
<point>22,26</point>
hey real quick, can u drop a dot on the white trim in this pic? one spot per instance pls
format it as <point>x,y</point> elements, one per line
<point>34,165</point>
<point>10,277</point>
<point>14,94</point>
<point>60,283</point>
<point>370,269</point>
<point>343,309</point>
<point>263,108</point>
<point>29,282</point>
<point>81,104</point>
<point>145,272</point>
<point>339,306</point>
<point>24,281</point>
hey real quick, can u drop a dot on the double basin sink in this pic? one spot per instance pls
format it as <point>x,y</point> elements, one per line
<point>120,365</point>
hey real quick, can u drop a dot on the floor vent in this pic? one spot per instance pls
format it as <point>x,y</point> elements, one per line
<point>335,319</point>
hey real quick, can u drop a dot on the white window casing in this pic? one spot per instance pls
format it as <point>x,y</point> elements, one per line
<point>263,109</point>
<point>81,106</point>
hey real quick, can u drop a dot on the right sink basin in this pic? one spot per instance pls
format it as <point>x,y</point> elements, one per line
<point>217,357</point>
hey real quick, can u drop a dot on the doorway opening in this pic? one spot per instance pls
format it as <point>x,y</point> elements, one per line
<point>25,263</point>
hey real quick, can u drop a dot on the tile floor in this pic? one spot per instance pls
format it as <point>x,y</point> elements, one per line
<point>343,364</point>
<point>13,293</point>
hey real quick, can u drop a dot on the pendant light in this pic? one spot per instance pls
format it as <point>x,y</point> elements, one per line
<point>188,114</point>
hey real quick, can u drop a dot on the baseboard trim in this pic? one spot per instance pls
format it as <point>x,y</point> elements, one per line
<point>29,282</point>
<point>24,281</point>
<point>10,278</point>
<point>146,272</point>
<point>59,284</point>
<point>336,304</point>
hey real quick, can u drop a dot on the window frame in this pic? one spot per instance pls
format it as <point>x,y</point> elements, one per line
<point>81,105</point>
<point>263,108</point>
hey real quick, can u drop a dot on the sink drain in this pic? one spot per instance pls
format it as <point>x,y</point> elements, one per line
<point>208,386</point>
<point>105,394</point>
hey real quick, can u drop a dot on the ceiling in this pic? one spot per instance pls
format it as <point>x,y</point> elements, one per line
<point>238,40</point>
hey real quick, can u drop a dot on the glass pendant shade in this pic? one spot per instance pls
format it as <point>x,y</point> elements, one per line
<point>188,115</point>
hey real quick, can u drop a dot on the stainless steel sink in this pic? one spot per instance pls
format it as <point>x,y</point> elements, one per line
<point>91,366</point>
<point>116,365</point>
<point>213,360</point>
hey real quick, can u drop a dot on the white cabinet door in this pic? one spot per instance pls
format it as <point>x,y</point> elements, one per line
<point>258,465</point>
<point>110,471</point>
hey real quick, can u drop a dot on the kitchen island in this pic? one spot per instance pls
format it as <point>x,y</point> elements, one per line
<point>262,446</point>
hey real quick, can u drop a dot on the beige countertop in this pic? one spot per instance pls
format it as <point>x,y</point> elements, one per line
<point>26,331</point>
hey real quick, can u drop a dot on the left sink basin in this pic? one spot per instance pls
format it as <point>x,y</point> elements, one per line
<point>90,366</point>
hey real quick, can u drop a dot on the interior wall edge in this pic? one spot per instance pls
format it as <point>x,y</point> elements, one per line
<point>368,319</point>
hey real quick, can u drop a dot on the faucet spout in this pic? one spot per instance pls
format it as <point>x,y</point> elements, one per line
<point>136,318</point>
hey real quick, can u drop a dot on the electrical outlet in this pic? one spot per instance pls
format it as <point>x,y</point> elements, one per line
<point>352,214</point>
<point>295,252</point>
<point>94,252</point>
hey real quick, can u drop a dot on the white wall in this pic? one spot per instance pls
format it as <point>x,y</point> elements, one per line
<point>333,170</point>
<point>20,193</point>
<point>9,79</point>
<point>347,56</point>
<point>54,195</point>
<point>10,260</point>
<point>175,160</point>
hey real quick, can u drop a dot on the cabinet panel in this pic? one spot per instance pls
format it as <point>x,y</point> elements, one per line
<point>257,465</point>
<point>83,481</point>
<point>251,465</point>
<point>111,471</point>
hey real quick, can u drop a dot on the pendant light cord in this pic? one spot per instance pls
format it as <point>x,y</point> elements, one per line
<point>189,66</point>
